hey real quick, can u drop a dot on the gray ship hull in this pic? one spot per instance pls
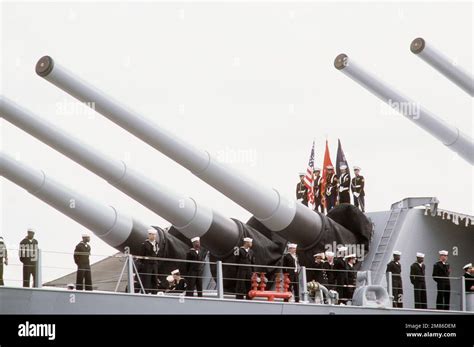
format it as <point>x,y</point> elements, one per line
<point>56,301</point>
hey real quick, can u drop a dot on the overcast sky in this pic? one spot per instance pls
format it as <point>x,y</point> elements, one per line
<point>252,83</point>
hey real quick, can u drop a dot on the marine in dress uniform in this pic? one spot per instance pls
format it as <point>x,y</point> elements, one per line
<point>302,190</point>
<point>329,267</point>
<point>149,267</point>
<point>417,278</point>
<point>351,276</point>
<point>3,258</point>
<point>317,184</point>
<point>331,188</point>
<point>357,187</point>
<point>468,277</point>
<point>291,267</point>
<point>340,267</point>
<point>82,253</point>
<point>28,254</point>
<point>441,272</point>
<point>344,186</point>
<point>244,256</point>
<point>194,270</point>
<point>397,287</point>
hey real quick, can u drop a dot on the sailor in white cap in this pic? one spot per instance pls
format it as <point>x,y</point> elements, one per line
<point>29,257</point>
<point>441,273</point>
<point>417,278</point>
<point>468,277</point>
<point>351,275</point>
<point>397,287</point>
<point>3,258</point>
<point>329,267</point>
<point>331,187</point>
<point>179,284</point>
<point>291,266</point>
<point>319,273</point>
<point>82,253</point>
<point>302,190</point>
<point>317,188</point>
<point>195,267</point>
<point>344,186</point>
<point>357,187</point>
<point>245,257</point>
<point>149,264</point>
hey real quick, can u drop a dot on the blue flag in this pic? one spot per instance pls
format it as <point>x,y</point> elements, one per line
<point>341,160</point>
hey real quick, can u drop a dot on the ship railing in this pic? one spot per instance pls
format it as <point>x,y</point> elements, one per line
<point>460,295</point>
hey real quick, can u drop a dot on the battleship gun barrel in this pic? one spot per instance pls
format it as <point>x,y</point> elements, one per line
<point>114,227</point>
<point>443,64</point>
<point>449,135</point>
<point>217,232</point>
<point>293,221</point>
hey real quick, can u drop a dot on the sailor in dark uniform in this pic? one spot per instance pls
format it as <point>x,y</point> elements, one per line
<point>468,277</point>
<point>397,287</point>
<point>291,266</point>
<point>244,256</point>
<point>340,271</point>
<point>149,267</point>
<point>82,253</point>
<point>28,254</point>
<point>417,278</point>
<point>3,258</point>
<point>329,267</point>
<point>302,190</point>
<point>344,186</point>
<point>317,184</point>
<point>351,276</point>
<point>194,270</point>
<point>441,272</point>
<point>179,284</point>
<point>331,188</point>
<point>319,274</point>
<point>357,187</point>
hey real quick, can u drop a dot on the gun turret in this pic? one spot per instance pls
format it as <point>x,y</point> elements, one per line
<point>443,64</point>
<point>293,221</point>
<point>449,135</point>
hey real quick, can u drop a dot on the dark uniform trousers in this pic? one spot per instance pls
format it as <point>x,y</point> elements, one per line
<point>290,266</point>
<point>149,267</point>
<point>244,273</point>
<point>341,277</point>
<point>440,272</point>
<point>194,272</point>
<point>81,258</point>
<point>28,256</point>
<point>1,271</point>
<point>397,287</point>
<point>330,275</point>
<point>417,278</point>
<point>344,194</point>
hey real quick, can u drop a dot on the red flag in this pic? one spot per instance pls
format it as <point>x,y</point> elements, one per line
<point>327,162</point>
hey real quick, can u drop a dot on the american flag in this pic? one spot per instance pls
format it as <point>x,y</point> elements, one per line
<point>308,179</point>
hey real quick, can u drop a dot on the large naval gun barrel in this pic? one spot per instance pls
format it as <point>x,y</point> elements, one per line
<point>446,66</point>
<point>449,135</point>
<point>218,233</point>
<point>293,221</point>
<point>116,228</point>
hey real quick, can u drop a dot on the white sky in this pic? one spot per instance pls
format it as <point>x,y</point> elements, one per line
<point>254,79</point>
